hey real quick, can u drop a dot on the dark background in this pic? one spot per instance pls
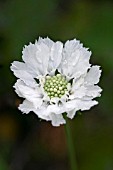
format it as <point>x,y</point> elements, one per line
<point>26,143</point>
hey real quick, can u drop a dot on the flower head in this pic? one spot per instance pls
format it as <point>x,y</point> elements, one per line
<point>54,79</point>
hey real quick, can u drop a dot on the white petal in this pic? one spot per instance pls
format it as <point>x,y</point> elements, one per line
<point>68,57</point>
<point>17,89</point>
<point>85,105</point>
<point>21,71</point>
<point>55,57</point>
<point>57,120</point>
<point>79,104</point>
<point>75,61</point>
<point>87,98</point>
<point>83,63</point>
<point>79,93</point>
<point>37,56</point>
<point>84,89</point>
<point>88,92</point>
<point>31,94</point>
<point>46,41</point>
<point>70,105</point>
<point>55,49</point>
<point>55,108</point>
<point>54,100</point>
<point>42,113</point>
<point>20,66</point>
<point>93,75</point>
<point>93,91</point>
<point>29,57</point>
<point>77,90</point>
<point>26,106</point>
<point>77,83</point>
<point>61,108</point>
<point>26,78</point>
<point>42,58</point>
<point>71,113</point>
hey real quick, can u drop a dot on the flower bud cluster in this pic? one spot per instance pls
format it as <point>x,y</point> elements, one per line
<point>55,86</point>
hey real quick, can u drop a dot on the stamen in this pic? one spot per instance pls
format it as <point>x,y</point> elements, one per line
<point>55,86</point>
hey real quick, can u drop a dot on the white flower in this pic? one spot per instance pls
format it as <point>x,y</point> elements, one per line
<point>54,79</point>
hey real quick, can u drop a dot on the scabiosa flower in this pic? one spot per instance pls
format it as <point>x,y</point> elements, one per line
<point>54,79</point>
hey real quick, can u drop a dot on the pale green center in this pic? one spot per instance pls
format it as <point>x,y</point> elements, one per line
<point>55,86</point>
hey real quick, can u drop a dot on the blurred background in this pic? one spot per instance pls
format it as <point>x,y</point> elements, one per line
<point>26,143</point>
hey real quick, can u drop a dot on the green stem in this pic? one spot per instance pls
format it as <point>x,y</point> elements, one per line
<point>71,149</point>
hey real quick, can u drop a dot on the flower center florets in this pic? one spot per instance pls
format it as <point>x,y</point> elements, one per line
<point>55,86</point>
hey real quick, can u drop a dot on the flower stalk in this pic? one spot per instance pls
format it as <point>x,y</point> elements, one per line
<point>70,145</point>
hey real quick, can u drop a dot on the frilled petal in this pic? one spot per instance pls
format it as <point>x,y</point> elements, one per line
<point>29,57</point>
<point>86,91</point>
<point>61,108</point>
<point>76,83</point>
<point>16,65</point>
<point>31,94</point>
<point>71,113</point>
<point>79,93</point>
<point>85,105</point>
<point>37,56</point>
<point>93,75</point>
<point>46,41</point>
<point>23,72</point>
<point>84,87</point>
<point>55,56</point>
<point>70,105</point>
<point>75,60</point>
<point>42,113</point>
<point>56,108</point>
<point>93,91</point>
<point>79,104</point>
<point>26,106</point>
<point>57,120</point>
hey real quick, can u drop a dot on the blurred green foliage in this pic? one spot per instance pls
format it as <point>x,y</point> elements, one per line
<point>22,22</point>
